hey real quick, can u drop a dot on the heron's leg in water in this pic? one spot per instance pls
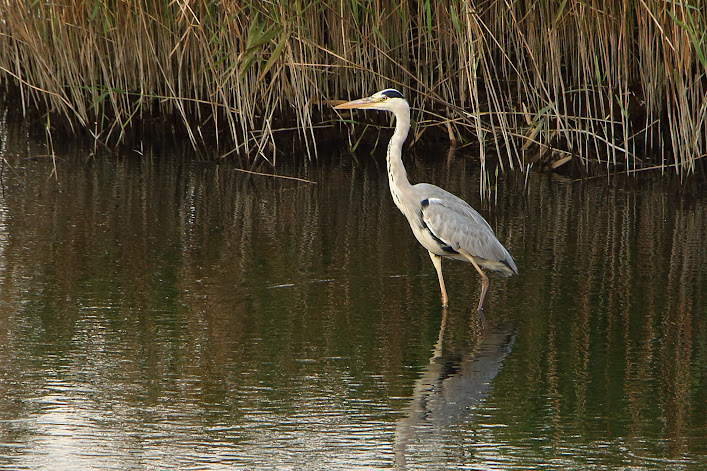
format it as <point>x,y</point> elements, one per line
<point>484,280</point>
<point>437,262</point>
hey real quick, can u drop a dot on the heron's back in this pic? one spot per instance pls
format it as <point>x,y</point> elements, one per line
<point>453,221</point>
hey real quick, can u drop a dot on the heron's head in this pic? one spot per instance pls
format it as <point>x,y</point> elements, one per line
<point>385,100</point>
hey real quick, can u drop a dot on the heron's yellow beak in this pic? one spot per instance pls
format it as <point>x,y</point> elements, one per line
<point>360,103</point>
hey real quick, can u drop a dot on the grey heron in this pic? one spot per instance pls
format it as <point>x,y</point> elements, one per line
<point>444,224</point>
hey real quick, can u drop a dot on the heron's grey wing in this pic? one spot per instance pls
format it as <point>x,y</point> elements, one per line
<point>458,225</point>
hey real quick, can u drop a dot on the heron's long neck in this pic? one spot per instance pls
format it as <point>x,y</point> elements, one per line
<point>397,176</point>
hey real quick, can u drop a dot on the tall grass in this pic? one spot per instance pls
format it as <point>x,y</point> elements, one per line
<point>595,85</point>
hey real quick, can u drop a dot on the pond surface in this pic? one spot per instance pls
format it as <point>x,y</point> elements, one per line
<point>160,313</point>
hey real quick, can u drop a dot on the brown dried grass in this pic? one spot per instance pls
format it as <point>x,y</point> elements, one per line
<point>596,86</point>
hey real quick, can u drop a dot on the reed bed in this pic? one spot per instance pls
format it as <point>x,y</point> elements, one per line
<point>590,86</point>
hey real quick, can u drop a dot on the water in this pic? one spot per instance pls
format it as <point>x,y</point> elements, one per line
<point>160,313</point>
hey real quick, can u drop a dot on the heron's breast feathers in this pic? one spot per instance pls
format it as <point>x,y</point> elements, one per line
<point>429,233</point>
<point>427,227</point>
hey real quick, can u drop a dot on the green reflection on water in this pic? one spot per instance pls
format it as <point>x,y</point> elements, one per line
<point>160,313</point>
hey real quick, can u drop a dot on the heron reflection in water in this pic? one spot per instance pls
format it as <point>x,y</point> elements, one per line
<point>450,390</point>
<point>444,224</point>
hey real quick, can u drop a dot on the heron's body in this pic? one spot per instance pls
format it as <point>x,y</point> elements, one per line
<point>446,224</point>
<point>443,224</point>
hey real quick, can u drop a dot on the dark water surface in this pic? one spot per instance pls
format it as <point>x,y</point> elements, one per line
<point>166,314</point>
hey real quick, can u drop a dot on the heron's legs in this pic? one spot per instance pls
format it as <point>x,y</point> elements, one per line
<point>437,262</point>
<point>484,280</point>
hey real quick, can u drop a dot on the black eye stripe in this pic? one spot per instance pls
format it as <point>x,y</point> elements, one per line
<point>390,93</point>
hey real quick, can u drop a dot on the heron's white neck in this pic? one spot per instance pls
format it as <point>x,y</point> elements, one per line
<point>397,176</point>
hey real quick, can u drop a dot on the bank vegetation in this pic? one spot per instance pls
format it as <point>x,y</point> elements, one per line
<point>583,86</point>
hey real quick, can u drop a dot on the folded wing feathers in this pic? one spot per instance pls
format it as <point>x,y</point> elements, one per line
<point>453,221</point>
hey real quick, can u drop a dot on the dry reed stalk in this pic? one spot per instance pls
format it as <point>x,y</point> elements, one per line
<point>603,82</point>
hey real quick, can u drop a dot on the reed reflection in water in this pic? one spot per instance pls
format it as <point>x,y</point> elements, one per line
<point>156,313</point>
